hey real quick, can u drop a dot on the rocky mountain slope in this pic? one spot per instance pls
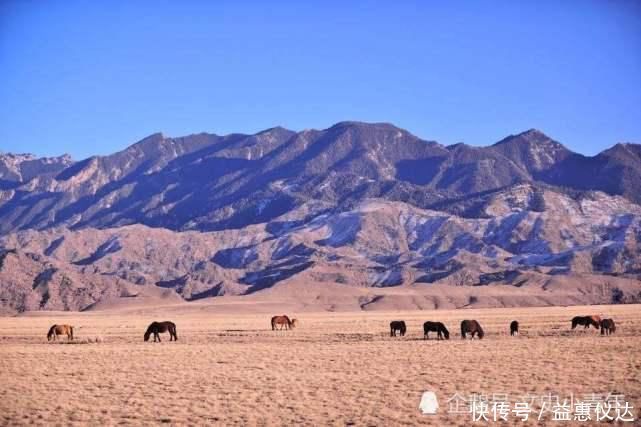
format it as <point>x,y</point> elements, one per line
<point>527,237</point>
<point>207,182</point>
<point>358,205</point>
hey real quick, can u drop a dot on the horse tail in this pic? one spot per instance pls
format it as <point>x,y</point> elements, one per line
<point>71,332</point>
<point>175,332</point>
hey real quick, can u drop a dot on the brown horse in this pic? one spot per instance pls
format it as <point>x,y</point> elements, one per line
<point>586,321</point>
<point>607,327</point>
<point>158,328</point>
<point>397,325</point>
<point>437,327</point>
<point>295,323</point>
<point>514,328</point>
<point>471,327</point>
<point>56,330</point>
<point>282,321</point>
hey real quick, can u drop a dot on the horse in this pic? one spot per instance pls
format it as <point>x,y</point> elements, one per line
<point>397,325</point>
<point>607,327</point>
<point>282,321</point>
<point>586,321</point>
<point>514,328</point>
<point>471,327</point>
<point>157,328</point>
<point>294,323</point>
<point>437,327</point>
<point>56,330</point>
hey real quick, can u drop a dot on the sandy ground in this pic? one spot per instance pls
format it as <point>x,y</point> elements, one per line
<point>335,369</point>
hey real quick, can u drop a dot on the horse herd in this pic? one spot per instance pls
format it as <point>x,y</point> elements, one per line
<point>468,327</point>
<point>473,327</point>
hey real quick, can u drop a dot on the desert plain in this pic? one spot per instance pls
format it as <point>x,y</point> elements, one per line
<point>337,368</point>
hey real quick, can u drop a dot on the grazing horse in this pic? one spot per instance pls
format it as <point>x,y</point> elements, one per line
<point>437,327</point>
<point>157,328</point>
<point>471,327</point>
<point>607,327</point>
<point>282,321</point>
<point>397,325</point>
<point>586,321</point>
<point>56,330</point>
<point>514,328</point>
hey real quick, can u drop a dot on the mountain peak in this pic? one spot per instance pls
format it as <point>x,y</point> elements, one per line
<point>365,125</point>
<point>530,137</point>
<point>533,133</point>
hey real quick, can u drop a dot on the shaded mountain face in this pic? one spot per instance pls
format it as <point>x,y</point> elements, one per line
<point>208,182</point>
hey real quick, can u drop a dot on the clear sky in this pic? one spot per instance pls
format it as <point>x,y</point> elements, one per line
<point>92,77</point>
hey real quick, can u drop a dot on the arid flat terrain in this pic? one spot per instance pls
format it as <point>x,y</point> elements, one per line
<point>334,369</point>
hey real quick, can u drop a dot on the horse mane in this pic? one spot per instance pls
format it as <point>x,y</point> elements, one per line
<point>481,333</point>
<point>445,331</point>
<point>148,332</point>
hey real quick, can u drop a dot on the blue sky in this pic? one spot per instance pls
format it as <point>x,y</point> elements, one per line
<point>93,77</point>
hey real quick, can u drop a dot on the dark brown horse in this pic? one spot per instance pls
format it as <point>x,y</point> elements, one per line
<point>282,321</point>
<point>158,328</point>
<point>514,328</point>
<point>586,321</point>
<point>437,327</point>
<point>397,325</point>
<point>471,327</point>
<point>607,327</point>
<point>56,330</point>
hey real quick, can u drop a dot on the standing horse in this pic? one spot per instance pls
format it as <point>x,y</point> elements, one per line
<point>471,327</point>
<point>397,325</point>
<point>282,321</point>
<point>437,327</point>
<point>157,328</point>
<point>607,327</point>
<point>56,330</point>
<point>514,328</point>
<point>586,321</point>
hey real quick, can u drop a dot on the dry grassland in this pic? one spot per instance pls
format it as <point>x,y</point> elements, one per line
<point>335,369</point>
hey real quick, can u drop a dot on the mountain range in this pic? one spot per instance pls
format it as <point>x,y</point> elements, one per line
<point>356,205</point>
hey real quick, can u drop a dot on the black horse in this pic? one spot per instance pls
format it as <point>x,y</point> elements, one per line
<point>514,328</point>
<point>471,327</point>
<point>397,325</point>
<point>157,328</point>
<point>437,327</point>
<point>586,321</point>
<point>607,327</point>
